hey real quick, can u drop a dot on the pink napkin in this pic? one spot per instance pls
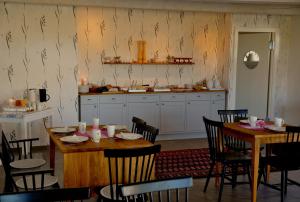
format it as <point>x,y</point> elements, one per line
<point>103,133</point>
<point>260,125</point>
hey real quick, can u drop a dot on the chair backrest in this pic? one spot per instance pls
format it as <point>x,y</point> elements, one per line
<point>130,166</point>
<point>6,150</point>
<point>214,131</point>
<point>137,125</point>
<point>150,133</point>
<point>229,116</point>
<point>158,190</point>
<point>68,194</point>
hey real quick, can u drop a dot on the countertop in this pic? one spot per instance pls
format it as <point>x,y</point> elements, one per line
<point>176,91</point>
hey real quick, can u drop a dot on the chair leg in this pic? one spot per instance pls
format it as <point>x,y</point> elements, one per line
<point>249,176</point>
<point>282,185</point>
<point>222,182</point>
<point>234,174</point>
<point>286,180</point>
<point>212,165</point>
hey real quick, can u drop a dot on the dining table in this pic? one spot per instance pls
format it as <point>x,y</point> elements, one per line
<point>256,137</point>
<point>84,164</point>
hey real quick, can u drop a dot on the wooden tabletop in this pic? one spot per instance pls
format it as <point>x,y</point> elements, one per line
<point>265,135</point>
<point>105,143</point>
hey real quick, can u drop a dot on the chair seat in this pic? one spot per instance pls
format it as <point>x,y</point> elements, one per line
<point>234,157</point>
<point>27,163</point>
<point>288,163</point>
<point>49,180</point>
<point>105,192</point>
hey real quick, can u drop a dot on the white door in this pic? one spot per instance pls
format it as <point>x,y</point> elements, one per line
<point>252,83</point>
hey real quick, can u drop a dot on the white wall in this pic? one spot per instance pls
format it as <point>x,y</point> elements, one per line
<point>292,111</point>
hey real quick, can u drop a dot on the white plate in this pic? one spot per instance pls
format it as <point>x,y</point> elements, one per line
<point>74,139</point>
<point>118,127</point>
<point>27,163</point>
<point>245,121</point>
<point>63,130</point>
<point>49,180</point>
<point>275,128</point>
<point>129,136</point>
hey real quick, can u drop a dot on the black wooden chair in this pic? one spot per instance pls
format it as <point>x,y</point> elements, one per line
<point>127,166</point>
<point>287,158</point>
<point>230,116</point>
<point>137,125</point>
<point>24,179</point>
<point>218,154</point>
<point>67,194</point>
<point>149,133</point>
<point>158,190</point>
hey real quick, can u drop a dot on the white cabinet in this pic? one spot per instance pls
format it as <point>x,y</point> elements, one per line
<point>217,103</point>
<point>172,113</point>
<point>198,105</point>
<point>112,109</point>
<point>145,107</point>
<point>88,108</point>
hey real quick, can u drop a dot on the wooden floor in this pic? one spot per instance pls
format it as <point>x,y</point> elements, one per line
<point>240,194</point>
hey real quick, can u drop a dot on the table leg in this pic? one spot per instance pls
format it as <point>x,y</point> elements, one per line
<point>52,154</point>
<point>217,171</point>
<point>255,166</point>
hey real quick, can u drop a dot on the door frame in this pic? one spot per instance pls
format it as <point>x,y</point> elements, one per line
<point>274,58</point>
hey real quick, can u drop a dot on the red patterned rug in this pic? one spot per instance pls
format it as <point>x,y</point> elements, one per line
<point>188,162</point>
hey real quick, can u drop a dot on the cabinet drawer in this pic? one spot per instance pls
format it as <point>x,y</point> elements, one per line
<point>142,98</point>
<point>218,96</point>
<point>172,97</point>
<point>85,100</point>
<point>111,99</point>
<point>198,96</point>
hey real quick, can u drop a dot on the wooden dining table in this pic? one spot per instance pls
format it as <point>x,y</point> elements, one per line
<point>84,163</point>
<point>256,137</point>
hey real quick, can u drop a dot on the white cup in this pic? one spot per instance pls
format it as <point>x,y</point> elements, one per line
<point>96,123</point>
<point>278,122</point>
<point>82,127</point>
<point>96,135</point>
<point>252,121</point>
<point>111,130</point>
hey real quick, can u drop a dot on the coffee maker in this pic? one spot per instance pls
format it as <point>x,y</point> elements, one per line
<point>37,98</point>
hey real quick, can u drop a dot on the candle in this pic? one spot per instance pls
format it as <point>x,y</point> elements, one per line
<point>12,102</point>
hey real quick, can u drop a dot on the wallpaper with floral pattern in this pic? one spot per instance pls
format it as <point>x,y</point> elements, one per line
<point>55,46</point>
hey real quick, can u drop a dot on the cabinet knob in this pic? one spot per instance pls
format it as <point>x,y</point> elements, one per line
<point>95,106</point>
<point>113,98</point>
<point>162,104</point>
<point>173,96</point>
<point>124,105</point>
<point>199,96</point>
<point>157,104</point>
<point>89,99</point>
<point>189,103</point>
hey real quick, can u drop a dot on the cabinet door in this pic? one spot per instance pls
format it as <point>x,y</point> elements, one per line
<point>147,111</point>
<point>88,113</point>
<point>194,115</point>
<point>215,106</point>
<point>172,117</point>
<point>112,113</point>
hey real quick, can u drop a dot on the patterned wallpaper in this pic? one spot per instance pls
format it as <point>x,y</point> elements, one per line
<point>55,46</point>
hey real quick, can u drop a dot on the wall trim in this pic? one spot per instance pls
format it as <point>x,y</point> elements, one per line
<point>272,9</point>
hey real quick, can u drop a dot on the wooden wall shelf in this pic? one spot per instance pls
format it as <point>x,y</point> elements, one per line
<point>148,63</point>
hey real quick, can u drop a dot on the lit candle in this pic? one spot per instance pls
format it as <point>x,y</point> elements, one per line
<point>83,81</point>
<point>12,102</point>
